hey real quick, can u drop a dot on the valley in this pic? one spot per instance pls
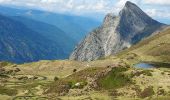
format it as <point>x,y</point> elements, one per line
<point>125,58</point>
<point>112,77</point>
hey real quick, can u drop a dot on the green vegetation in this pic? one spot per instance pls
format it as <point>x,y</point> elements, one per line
<point>74,70</point>
<point>4,76</point>
<point>161,92</point>
<point>3,64</point>
<point>154,49</point>
<point>30,84</point>
<point>161,64</point>
<point>30,98</point>
<point>114,79</point>
<point>109,78</point>
<point>56,78</point>
<point>147,92</point>
<point>142,72</point>
<point>7,91</point>
<point>76,80</point>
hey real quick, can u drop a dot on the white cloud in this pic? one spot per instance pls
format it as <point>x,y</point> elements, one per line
<point>121,3</point>
<point>5,1</point>
<point>50,1</point>
<point>81,7</point>
<point>158,13</point>
<point>157,2</point>
<point>151,12</point>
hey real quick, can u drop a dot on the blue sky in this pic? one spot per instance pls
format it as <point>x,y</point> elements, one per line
<point>158,9</point>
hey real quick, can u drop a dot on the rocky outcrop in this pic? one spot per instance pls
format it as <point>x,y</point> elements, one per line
<point>116,33</point>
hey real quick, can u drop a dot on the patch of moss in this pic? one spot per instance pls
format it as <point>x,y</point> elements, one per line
<point>143,72</point>
<point>161,92</point>
<point>114,93</point>
<point>114,79</point>
<point>3,64</point>
<point>161,50</point>
<point>30,84</point>
<point>63,85</point>
<point>4,76</point>
<point>161,64</point>
<point>147,92</point>
<point>7,91</point>
<point>56,78</point>
<point>30,98</point>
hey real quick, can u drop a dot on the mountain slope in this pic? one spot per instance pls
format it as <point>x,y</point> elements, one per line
<point>117,33</point>
<point>74,26</point>
<point>153,49</point>
<point>20,44</point>
<point>49,31</point>
<point>100,79</point>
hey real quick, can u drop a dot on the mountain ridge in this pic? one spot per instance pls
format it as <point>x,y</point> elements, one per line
<point>74,26</point>
<point>116,33</point>
<point>20,44</point>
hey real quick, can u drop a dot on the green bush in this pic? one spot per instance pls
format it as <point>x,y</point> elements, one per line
<point>147,72</point>
<point>147,92</point>
<point>17,70</point>
<point>114,93</point>
<point>4,76</point>
<point>161,92</point>
<point>7,91</point>
<point>144,72</point>
<point>56,78</point>
<point>114,79</point>
<point>74,70</point>
<point>3,64</point>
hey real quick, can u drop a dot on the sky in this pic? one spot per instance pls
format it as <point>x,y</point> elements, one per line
<point>158,9</point>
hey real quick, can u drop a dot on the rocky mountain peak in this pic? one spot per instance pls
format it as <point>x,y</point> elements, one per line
<point>116,33</point>
<point>129,4</point>
<point>133,23</point>
<point>130,8</point>
<point>109,19</point>
<point>109,16</point>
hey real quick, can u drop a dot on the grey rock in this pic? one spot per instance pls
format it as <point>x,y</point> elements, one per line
<point>116,33</point>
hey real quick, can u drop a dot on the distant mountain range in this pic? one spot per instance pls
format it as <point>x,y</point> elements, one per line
<point>75,27</point>
<point>117,33</point>
<point>19,43</point>
<point>34,35</point>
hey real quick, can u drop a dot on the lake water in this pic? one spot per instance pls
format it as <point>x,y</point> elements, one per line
<point>144,65</point>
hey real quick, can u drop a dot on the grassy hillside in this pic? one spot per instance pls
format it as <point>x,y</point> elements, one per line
<point>114,77</point>
<point>154,49</point>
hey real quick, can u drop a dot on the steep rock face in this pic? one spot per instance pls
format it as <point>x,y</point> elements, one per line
<point>116,33</point>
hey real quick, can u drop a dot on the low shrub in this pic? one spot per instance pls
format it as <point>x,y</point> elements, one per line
<point>56,78</point>
<point>17,70</point>
<point>144,72</point>
<point>147,92</point>
<point>3,64</point>
<point>161,92</point>
<point>114,79</point>
<point>114,93</point>
<point>74,70</point>
<point>7,91</point>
